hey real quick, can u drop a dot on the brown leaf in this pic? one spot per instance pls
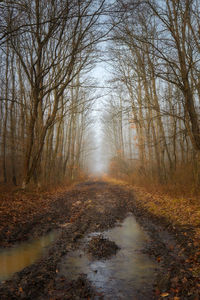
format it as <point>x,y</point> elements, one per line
<point>174,279</point>
<point>184,280</point>
<point>157,292</point>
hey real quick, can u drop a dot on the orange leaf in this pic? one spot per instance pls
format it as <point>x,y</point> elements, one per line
<point>164,295</point>
<point>158,259</point>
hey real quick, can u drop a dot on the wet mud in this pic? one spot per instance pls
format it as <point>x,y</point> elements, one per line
<point>100,247</point>
<point>123,274</point>
<point>96,207</point>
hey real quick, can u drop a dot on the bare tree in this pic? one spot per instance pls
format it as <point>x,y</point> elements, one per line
<point>155,56</point>
<point>53,42</point>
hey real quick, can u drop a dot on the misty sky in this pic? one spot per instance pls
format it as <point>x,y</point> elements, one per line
<point>99,158</point>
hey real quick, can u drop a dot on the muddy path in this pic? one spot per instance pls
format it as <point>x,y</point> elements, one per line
<point>94,207</point>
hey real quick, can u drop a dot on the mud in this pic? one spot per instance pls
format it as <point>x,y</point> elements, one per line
<point>95,207</point>
<point>99,247</point>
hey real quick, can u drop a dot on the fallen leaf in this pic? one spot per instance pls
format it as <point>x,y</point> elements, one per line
<point>158,259</point>
<point>164,295</point>
<point>184,280</point>
<point>174,279</point>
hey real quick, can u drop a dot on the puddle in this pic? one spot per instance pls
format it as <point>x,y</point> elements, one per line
<point>24,254</point>
<point>130,273</point>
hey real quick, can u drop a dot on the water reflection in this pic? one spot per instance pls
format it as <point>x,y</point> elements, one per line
<point>15,259</point>
<point>128,275</point>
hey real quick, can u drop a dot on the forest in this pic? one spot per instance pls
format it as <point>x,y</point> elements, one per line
<point>152,117</point>
<point>99,149</point>
<point>47,50</point>
<point>151,120</point>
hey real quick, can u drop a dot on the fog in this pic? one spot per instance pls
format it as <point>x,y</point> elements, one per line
<point>98,158</point>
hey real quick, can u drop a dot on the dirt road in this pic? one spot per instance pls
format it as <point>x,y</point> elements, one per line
<point>89,207</point>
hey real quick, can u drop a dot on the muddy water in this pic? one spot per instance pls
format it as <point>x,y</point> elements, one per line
<point>22,255</point>
<point>127,275</point>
